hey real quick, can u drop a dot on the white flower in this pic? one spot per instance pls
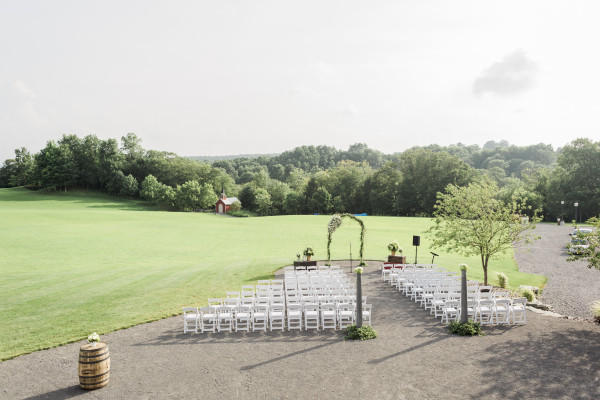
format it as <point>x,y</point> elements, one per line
<point>463,267</point>
<point>334,223</point>
<point>94,337</point>
<point>358,270</point>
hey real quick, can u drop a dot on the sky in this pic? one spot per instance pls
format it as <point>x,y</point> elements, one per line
<point>237,77</point>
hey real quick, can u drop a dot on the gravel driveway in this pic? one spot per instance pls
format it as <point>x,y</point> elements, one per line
<point>572,287</point>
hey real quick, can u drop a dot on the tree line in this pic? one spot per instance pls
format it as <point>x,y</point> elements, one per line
<point>318,179</point>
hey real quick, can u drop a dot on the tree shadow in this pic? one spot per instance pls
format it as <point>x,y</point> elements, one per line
<point>550,365</point>
<point>59,394</point>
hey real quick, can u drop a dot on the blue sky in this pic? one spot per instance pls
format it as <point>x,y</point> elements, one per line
<point>231,77</point>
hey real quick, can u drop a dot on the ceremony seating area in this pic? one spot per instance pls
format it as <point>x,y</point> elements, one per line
<point>318,298</point>
<point>439,291</point>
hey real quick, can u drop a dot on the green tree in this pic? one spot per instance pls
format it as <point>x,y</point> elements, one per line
<point>208,197</point>
<point>471,220</point>
<point>425,173</point>
<point>278,192</point>
<point>55,166</point>
<point>187,196</point>
<point>129,186</point>
<point>294,203</point>
<point>150,189</point>
<point>321,201</point>
<point>23,169</point>
<point>262,202</point>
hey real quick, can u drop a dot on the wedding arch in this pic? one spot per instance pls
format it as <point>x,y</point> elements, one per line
<point>334,223</point>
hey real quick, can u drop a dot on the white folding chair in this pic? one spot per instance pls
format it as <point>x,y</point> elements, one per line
<point>311,316</point>
<point>294,316</point>
<point>259,318</point>
<point>451,310</point>
<point>191,318</point>
<point>243,318</point>
<point>345,315</point>
<point>485,311</point>
<point>502,311</point>
<point>225,318</point>
<point>208,319</point>
<point>276,317</point>
<point>366,314</point>
<point>517,310</point>
<point>328,316</point>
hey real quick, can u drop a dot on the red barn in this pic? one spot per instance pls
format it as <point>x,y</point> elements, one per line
<point>224,203</point>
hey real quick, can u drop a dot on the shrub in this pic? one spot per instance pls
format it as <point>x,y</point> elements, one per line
<point>242,213</point>
<point>362,333</point>
<point>528,294</point>
<point>469,328</point>
<point>235,206</point>
<point>502,280</point>
<point>596,310</point>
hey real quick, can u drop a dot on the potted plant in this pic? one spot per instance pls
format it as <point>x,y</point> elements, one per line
<point>309,252</point>
<point>394,247</point>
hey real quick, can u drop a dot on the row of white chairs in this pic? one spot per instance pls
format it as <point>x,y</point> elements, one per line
<point>439,291</point>
<point>275,317</point>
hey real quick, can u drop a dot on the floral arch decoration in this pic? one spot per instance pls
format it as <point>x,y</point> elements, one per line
<point>334,223</point>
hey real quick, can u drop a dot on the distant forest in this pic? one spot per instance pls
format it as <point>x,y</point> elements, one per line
<point>317,179</point>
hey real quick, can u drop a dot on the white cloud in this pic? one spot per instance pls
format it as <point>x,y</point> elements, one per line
<point>513,75</point>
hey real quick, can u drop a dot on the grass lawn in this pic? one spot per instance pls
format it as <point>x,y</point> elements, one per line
<point>75,263</point>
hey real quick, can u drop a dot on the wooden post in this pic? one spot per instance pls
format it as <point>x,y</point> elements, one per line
<point>359,300</point>
<point>464,316</point>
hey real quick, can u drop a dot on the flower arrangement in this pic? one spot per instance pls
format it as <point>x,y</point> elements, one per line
<point>308,252</point>
<point>358,270</point>
<point>93,338</point>
<point>394,247</point>
<point>463,267</point>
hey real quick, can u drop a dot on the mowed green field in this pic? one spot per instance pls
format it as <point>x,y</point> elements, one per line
<point>71,264</point>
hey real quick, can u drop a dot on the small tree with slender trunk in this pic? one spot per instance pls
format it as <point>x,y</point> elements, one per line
<point>471,220</point>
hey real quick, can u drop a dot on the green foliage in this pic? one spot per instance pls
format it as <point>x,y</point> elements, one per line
<point>596,309</point>
<point>241,213</point>
<point>469,328</point>
<point>502,280</point>
<point>207,197</point>
<point>394,246</point>
<point>426,173</point>
<point>591,255</point>
<point>471,220</point>
<point>363,333</point>
<point>235,206</point>
<point>321,201</point>
<point>150,189</point>
<point>187,196</point>
<point>309,251</point>
<point>528,294</point>
<point>129,186</point>
<point>262,202</point>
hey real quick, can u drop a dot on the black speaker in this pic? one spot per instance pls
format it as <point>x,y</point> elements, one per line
<point>416,240</point>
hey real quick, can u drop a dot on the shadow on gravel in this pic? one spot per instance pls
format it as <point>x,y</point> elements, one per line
<point>549,365</point>
<point>295,353</point>
<point>60,394</point>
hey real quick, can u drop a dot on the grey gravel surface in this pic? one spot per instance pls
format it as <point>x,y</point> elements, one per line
<point>572,287</point>
<point>414,357</point>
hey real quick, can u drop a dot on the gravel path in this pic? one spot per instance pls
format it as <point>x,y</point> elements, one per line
<point>572,287</point>
<point>414,357</point>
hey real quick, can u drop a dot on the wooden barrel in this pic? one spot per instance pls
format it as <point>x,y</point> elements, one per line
<point>94,366</point>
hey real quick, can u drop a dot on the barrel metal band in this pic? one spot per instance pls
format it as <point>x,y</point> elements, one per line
<point>94,362</point>
<point>94,376</point>
<point>95,356</point>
